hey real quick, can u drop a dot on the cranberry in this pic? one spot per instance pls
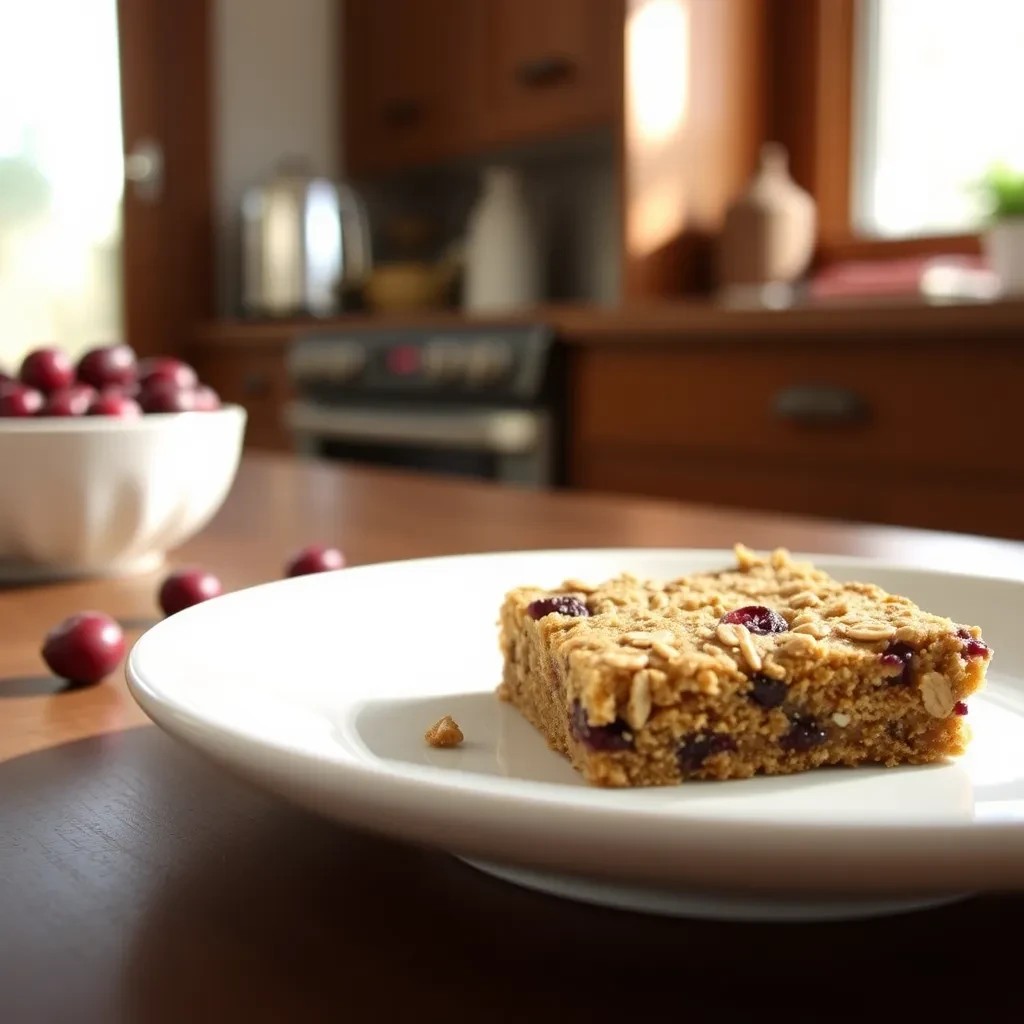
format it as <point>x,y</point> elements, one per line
<point>205,399</point>
<point>769,693</point>
<point>108,365</point>
<point>757,619</point>
<point>698,747</point>
<point>973,647</point>
<point>315,558</point>
<point>804,734</point>
<point>162,395</point>
<point>187,587</point>
<point>960,708</point>
<point>18,400</point>
<point>180,374</point>
<point>46,370</point>
<point>113,402</point>
<point>898,655</point>
<point>71,401</point>
<point>84,648</point>
<point>566,605</point>
<point>614,736</point>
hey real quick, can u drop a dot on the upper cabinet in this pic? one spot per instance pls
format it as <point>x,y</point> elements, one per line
<point>429,80</point>
<point>548,68</point>
<point>407,82</point>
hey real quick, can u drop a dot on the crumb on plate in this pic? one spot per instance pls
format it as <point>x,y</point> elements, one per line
<point>444,733</point>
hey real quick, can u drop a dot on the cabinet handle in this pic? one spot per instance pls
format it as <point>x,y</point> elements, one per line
<point>402,113</point>
<point>545,71</point>
<point>819,405</point>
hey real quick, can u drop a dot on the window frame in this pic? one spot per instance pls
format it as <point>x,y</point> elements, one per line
<point>811,88</point>
<point>167,243</point>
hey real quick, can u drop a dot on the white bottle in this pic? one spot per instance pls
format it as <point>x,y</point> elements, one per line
<point>502,255</point>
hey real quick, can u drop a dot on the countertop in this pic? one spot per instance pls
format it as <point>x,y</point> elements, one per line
<point>139,883</point>
<point>898,319</point>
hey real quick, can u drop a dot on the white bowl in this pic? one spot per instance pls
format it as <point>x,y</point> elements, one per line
<point>92,495</point>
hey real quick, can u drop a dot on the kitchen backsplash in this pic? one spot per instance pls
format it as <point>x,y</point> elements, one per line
<point>571,191</point>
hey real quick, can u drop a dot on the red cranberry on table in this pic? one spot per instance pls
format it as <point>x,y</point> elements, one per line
<point>47,369</point>
<point>107,365</point>
<point>71,401</point>
<point>17,400</point>
<point>84,648</point>
<point>187,587</point>
<point>169,369</point>
<point>315,558</point>
<point>115,404</point>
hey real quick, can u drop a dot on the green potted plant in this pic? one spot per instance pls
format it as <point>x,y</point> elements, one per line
<point>1002,189</point>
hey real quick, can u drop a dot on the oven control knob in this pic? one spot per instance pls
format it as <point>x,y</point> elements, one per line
<point>444,361</point>
<point>489,361</point>
<point>345,361</point>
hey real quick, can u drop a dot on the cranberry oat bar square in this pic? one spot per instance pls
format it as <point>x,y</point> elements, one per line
<point>770,667</point>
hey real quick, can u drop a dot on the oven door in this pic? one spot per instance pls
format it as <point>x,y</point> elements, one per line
<point>505,444</point>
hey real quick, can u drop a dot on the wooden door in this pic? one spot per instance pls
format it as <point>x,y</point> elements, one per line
<point>167,229</point>
<point>407,92</point>
<point>549,67</point>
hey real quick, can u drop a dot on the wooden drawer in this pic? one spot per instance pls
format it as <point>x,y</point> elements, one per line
<point>256,378</point>
<point>898,408</point>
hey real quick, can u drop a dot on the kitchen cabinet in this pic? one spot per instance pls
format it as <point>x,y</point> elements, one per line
<point>253,375</point>
<point>425,82</point>
<point>407,94</point>
<point>882,430</point>
<point>548,68</point>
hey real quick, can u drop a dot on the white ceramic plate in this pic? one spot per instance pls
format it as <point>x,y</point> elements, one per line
<point>320,689</point>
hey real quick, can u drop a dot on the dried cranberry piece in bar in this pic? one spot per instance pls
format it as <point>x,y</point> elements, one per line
<point>758,619</point>
<point>561,605</point>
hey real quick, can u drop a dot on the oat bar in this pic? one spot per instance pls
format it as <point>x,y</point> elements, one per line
<point>771,667</point>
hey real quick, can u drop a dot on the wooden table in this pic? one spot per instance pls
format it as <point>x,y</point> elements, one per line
<point>139,884</point>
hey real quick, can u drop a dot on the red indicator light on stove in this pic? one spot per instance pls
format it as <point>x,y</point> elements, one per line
<point>403,360</point>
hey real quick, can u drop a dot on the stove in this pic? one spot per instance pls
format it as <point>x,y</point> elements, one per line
<point>476,401</point>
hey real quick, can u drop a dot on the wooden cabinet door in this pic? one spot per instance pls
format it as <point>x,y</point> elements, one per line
<point>549,66</point>
<point>406,85</point>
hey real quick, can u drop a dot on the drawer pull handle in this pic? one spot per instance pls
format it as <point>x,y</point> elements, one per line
<point>818,405</point>
<point>545,71</point>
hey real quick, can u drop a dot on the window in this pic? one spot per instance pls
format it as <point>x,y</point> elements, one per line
<point>936,97</point>
<point>61,174</point>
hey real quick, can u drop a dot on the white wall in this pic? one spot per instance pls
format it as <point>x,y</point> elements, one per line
<point>275,95</point>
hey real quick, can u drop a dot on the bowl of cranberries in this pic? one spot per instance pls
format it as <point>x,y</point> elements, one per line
<point>108,461</point>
